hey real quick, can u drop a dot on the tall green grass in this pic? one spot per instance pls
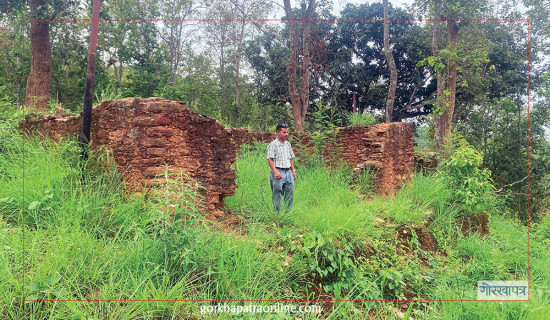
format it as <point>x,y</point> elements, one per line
<point>86,238</point>
<point>502,255</point>
<point>424,197</point>
<point>323,198</point>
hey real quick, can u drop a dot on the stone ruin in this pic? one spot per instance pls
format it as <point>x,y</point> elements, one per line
<point>386,148</point>
<point>148,134</point>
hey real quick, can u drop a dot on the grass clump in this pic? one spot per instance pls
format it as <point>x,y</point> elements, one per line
<point>424,197</point>
<point>323,199</point>
<point>360,119</point>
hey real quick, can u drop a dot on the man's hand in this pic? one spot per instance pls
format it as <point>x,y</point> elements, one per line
<point>294,174</point>
<point>278,175</point>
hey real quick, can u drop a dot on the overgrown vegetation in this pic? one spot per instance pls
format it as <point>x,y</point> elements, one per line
<point>87,238</point>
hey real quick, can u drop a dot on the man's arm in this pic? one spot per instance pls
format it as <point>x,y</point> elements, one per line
<point>278,175</point>
<point>292,168</point>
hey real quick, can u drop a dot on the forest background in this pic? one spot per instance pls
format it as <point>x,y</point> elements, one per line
<point>231,61</point>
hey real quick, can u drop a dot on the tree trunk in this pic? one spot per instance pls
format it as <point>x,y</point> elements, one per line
<point>440,93</point>
<point>485,129</point>
<point>306,72</point>
<point>115,70</point>
<point>266,126</point>
<point>120,76</point>
<point>222,59</point>
<point>38,82</point>
<point>292,68</point>
<point>299,99</point>
<point>19,100</point>
<point>447,116</point>
<point>172,46</point>
<point>176,47</point>
<point>391,65</point>
<point>238,72</point>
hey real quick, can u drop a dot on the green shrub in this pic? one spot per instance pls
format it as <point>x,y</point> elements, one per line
<point>471,186</point>
<point>176,203</point>
<point>365,180</point>
<point>107,93</point>
<point>330,261</point>
<point>424,197</point>
<point>322,118</point>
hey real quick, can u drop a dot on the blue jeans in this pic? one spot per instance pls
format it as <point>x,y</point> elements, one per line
<point>283,187</point>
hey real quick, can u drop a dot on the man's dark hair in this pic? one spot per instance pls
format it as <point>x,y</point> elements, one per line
<point>281,126</point>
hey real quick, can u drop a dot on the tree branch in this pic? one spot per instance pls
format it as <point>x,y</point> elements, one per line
<point>515,182</point>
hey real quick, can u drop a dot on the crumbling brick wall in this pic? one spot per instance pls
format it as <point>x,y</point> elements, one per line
<point>145,135</point>
<point>52,126</point>
<point>243,136</point>
<point>385,147</point>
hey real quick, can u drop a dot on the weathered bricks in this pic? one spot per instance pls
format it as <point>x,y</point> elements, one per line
<point>146,135</point>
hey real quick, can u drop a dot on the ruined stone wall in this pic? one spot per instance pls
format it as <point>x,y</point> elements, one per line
<point>385,147</point>
<point>52,126</point>
<point>243,136</point>
<point>145,135</point>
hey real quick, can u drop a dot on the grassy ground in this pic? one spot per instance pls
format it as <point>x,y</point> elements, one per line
<point>86,238</point>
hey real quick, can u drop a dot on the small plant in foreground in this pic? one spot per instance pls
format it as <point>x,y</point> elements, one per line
<point>107,93</point>
<point>178,202</point>
<point>333,264</point>
<point>365,180</point>
<point>391,282</point>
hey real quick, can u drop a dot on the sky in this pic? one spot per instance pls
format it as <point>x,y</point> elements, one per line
<point>338,5</point>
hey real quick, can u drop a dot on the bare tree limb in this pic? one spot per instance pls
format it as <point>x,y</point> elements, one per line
<point>515,182</point>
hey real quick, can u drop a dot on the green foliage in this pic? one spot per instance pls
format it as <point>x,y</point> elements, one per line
<point>422,198</point>
<point>107,93</point>
<point>322,117</point>
<point>45,289</point>
<point>360,119</point>
<point>392,282</point>
<point>176,203</point>
<point>366,179</point>
<point>357,63</point>
<point>330,261</point>
<point>472,187</point>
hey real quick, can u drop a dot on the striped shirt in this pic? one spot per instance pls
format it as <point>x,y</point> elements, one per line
<point>280,153</point>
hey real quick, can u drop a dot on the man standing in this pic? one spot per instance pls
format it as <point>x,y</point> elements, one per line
<point>282,176</point>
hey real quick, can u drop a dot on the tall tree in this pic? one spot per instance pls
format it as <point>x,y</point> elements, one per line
<point>176,30</point>
<point>357,63</point>
<point>299,95</point>
<point>391,65</point>
<point>234,26</point>
<point>452,12</point>
<point>38,82</point>
<point>246,10</point>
